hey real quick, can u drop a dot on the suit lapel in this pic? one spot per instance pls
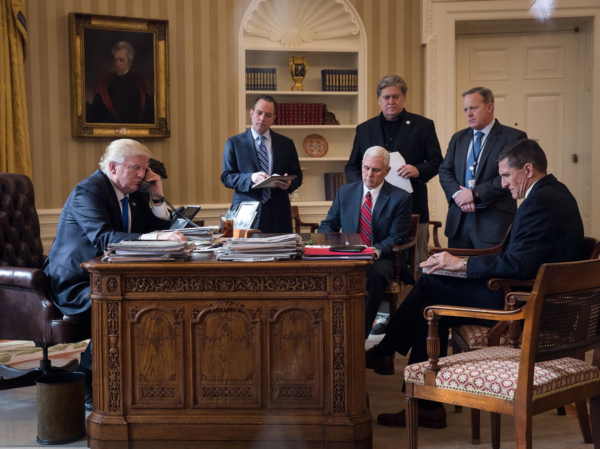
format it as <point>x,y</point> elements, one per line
<point>252,148</point>
<point>487,149</point>
<point>382,200</point>
<point>355,204</point>
<point>405,128</point>
<point>461,155</point>
<point>113,202</point>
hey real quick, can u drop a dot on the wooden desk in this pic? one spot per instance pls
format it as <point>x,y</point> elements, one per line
<point>215,354</point>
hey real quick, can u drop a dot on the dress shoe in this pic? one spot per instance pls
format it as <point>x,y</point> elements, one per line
<point>432,419</point>
<point>381,365</point>
<point>380,324</point>
<point>89,398</point>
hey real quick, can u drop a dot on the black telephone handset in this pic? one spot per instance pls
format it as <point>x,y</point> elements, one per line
<point>144,187</point>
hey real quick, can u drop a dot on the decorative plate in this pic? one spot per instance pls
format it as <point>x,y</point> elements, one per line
<point>315,145</point>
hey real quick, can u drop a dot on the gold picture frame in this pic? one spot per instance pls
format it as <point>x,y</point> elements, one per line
<point>119,76</point>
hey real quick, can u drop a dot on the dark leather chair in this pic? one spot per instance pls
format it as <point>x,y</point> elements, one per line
<point>26,311</point>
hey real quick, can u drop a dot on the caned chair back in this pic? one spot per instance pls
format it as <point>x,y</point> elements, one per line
<point>562,318</point>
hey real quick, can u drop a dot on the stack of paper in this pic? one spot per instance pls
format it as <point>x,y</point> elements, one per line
<point>148,251</point>
<point>258,248</point>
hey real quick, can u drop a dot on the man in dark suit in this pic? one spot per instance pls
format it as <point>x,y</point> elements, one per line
<point>104,208</point>
<point>547,229</point>
<point>479,209</point>
<point>413,136</point>
<point>381,214</point>
<point>253,156</point>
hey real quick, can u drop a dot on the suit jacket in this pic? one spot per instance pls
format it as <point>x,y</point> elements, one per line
<point>90,220</point>
<point>547,229</point>
<point>240,160</point>
<point>390,218</point>
<point>498,211</point>
<point>418,144</point>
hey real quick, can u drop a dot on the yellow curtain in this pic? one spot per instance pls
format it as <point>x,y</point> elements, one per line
<point>15,155</point>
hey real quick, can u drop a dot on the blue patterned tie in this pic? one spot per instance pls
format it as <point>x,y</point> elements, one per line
<point>263,159</point>
<point>125,202</point>
<point>472,161</point>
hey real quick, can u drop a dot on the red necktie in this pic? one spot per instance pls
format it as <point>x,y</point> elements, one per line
<point>365,220</point>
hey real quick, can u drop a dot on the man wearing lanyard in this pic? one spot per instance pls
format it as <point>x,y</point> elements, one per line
<point>480,210</point>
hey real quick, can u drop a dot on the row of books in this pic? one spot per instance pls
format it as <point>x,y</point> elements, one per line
<point>333,181</point>
<point>261,79</point>
<point>339,80</point>
<point>299,114</point>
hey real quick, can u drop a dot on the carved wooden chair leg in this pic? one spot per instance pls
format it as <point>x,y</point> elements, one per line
<point>584,421</point>
<point>412,418</point>
<point>475,426</point>
<point>495,430</point>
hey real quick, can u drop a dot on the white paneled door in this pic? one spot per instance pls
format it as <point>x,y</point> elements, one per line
<point>534,77</point>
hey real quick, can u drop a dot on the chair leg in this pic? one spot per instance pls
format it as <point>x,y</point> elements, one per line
<point>475,426</point>
<point>584,421</point>
<point>496,430</point>
<point>595,414</point>
<point>560,411</point>
<point>412,419</point>
<point>523,435</point>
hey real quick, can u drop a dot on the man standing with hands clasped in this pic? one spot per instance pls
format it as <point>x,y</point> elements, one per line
<point>479,209</point>
<point>253,156</point>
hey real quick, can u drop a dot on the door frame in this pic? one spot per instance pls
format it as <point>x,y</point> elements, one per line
<point>440,20</point>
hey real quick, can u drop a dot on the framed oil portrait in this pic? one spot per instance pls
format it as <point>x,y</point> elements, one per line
<point>119,76</point>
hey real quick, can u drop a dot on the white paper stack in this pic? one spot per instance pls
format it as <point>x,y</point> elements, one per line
<point>148,251</point>
<point>258,248</point>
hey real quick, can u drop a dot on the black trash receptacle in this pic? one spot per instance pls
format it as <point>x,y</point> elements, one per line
<point>60,408</point>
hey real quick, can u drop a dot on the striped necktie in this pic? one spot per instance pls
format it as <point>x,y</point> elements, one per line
<point>472,161</point>
<point>263,159</point>
<point>125,202</point>
<point>365,220</point>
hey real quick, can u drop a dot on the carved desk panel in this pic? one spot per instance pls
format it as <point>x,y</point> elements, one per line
<point>212,354</point>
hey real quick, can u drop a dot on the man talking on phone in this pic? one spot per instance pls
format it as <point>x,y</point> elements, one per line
<point>107,207</point>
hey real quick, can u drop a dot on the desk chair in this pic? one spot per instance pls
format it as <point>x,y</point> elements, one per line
<point>561,322</point>
<point>397,289</point>
<point>26,311</point>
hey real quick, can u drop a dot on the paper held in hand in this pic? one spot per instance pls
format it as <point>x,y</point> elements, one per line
<point>271,180</point>
<point>456,274</point>
<point>396,161</point>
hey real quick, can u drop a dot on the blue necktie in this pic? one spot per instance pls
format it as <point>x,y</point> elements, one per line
<point>263,159</point>
<point>472,161</point>
<point>125,202</point>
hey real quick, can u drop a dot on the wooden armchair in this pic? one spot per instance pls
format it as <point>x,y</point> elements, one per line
<point>397,288</point>
<point>298,223</point>
<point>561,322</point>
<point>472,337</point>
<point>435,227</point>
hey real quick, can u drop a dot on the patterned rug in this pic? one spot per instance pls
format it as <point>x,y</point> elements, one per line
<point>24,354</point>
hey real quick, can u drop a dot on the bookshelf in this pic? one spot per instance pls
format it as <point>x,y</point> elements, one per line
<point>330,34</point>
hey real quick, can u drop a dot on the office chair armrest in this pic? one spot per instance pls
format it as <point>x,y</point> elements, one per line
<point>27,278</point>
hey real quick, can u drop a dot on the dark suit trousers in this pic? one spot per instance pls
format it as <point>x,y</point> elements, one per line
<point>379,276</point>
<point>272,221</point>
<point>466,235</point>
<point>408,328</point>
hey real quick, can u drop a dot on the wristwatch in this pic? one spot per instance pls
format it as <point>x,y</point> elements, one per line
<point>158,201</point>
<point>465,259</point>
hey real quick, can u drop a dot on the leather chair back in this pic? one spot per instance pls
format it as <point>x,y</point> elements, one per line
<point>20,242</point>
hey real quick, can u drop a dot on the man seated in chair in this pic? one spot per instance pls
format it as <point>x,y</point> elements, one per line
<point>547,229</point>
<point>104,208</point>
<point>381,214</point>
